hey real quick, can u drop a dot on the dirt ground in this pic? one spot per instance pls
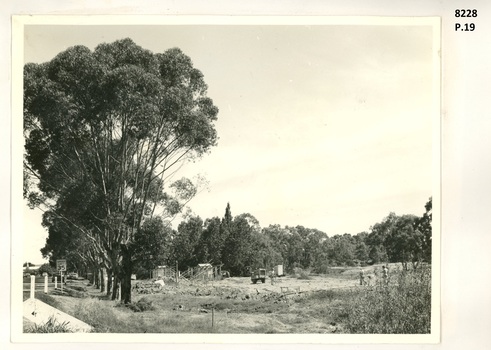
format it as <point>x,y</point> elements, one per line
<point>239,305</point>
<point>281,284</point>
<point>342,278</point>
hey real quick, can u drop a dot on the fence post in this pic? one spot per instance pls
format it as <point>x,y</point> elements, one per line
<point>46,284</point>
<point>33,285</point>
<point>177,272</point>
<point>212,317</point>
<point>56,282</point>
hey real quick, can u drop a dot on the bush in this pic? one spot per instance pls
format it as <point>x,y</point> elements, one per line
<point>401,307</point>
<point>48,269</point>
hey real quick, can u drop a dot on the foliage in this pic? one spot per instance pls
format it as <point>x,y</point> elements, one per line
<point>404,243</point>
<point>152,246</point>
<point>402,307</point>
<point>47,268</point>
<point>423,225</point>
<point>265,253</point>
<point>239,247</point>
<point>185,243</point>
<point>51,326</point>
<point>211,242</point>
<point>240,244</point>
<point>361,251</point>
<point>104,130</point>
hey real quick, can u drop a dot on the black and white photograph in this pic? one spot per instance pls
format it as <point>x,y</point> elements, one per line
<point>247,176</point>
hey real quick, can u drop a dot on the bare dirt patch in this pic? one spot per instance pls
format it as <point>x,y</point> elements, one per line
<point>232,305</point>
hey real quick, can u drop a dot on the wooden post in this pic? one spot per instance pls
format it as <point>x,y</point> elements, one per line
<point>177,272</point>
<point>46,284</point>
<point>212,317</point>
<point>33,285</point>
<point>61,280</point>
<point>56,282</point>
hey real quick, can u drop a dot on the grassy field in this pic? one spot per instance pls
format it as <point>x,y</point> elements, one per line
<point>301,303</point>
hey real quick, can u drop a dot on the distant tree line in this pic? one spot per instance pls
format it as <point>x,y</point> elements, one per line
<point>239,244</point>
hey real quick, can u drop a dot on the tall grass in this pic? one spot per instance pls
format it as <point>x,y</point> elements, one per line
<point>403,306</point>
<point>99,314</point>
<point>146,316</point>
<point>51,326</point>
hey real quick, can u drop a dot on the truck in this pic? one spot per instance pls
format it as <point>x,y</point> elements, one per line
<point>258,275</point>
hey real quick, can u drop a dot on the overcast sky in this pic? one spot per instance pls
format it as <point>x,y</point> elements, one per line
<point>329,127</point>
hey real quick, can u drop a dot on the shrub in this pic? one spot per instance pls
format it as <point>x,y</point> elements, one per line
<point>401,307</point>
<point>48,269</point>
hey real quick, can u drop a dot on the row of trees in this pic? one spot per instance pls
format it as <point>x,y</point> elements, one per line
<point>104,133</point>
<point>239,243</point>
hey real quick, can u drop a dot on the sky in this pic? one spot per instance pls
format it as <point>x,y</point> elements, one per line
<point>324,126</point>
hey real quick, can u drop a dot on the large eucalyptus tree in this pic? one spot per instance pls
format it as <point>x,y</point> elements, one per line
<point>104,131</point>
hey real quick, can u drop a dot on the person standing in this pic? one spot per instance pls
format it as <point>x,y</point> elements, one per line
<point>385,274</point>
<point>362,277</point>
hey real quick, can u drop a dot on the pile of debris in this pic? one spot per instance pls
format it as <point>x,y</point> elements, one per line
<point>147,287</point>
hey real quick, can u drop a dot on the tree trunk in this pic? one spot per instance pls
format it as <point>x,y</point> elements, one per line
<point>126,270</point>
<point>101,278</point>
<point>96,278</point>
<point>109,282</point>
<point>92,277</point>
<point>114,295</point>
<point>103,282</point>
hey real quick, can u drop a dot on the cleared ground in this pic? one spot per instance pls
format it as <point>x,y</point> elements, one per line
<point>291,304</point>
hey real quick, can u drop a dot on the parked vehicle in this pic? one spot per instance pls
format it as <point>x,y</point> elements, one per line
<point>258,275</point>
<point>72,276</point>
